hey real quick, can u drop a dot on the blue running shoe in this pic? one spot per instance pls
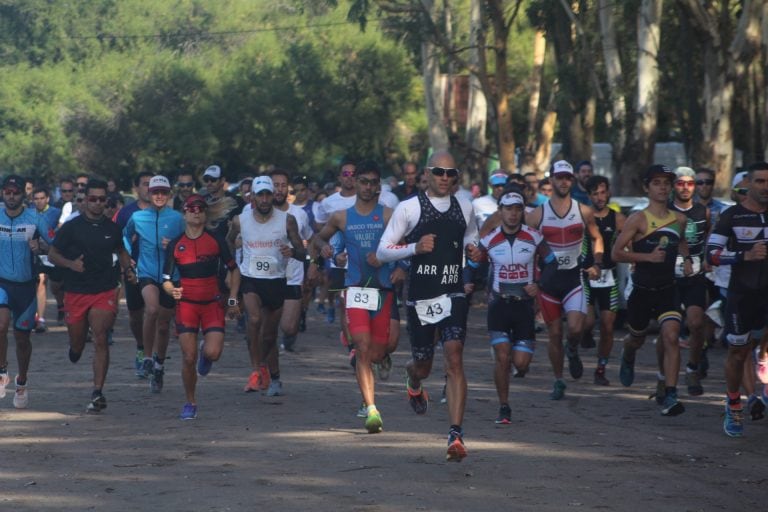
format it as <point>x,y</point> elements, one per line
<point>156,380</point>
<point>672,406</point>
<point>733,424</point>
<point>626,371</point>
<point>203,363</point>
<point>139,363</point>
<point>505,415</point>
<point>558,391</point>
<point>188,412</point>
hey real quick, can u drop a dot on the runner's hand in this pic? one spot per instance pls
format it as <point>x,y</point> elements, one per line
<point>372,260</point>
<point>426,244</point>
<point>397,276</point>
<point>657,255</point>
<point>593,272</point>
<point>233,312</point>
<point>326,252</point>
<point>176,293</point>
<point>757,252</point>
<point>340,259</point>
<point>532,289</point>
<point>77,264</point>
<point>474,253</point>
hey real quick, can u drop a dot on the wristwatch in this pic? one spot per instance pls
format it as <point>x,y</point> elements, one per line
<point>232,302</point>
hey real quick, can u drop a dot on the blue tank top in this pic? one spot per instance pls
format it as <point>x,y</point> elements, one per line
<point>361,236</point>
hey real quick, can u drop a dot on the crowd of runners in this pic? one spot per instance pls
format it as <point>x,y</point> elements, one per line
<point>373,252</point>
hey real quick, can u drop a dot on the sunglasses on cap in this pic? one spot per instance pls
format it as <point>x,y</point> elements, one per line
<point>97,199</point>
<point>451,172</point>
<point>705,182</point>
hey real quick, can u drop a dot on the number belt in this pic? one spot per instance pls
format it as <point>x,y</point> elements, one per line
<point>508,298</point>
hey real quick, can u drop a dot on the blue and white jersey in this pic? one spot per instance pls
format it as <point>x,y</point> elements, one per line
<point>17,263</point>
<point>362,234</point>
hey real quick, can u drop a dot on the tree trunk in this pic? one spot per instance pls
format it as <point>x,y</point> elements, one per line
<point>477,108</point>
<point>639,150</point>
<point>430,67</point>
<point>617,122</point>
<point>539,52</point>
<point>505,130</point>
<point>546,133</point>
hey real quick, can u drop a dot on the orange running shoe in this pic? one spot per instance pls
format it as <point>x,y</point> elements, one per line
<point>456,450</point>
<point>253,382</point>
<point>264,377</point>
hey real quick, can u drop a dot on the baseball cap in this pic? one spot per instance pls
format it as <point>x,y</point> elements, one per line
<point>685,172</point>
<point>195,200</point>
<point>511,198</point>
<point>740,176</point>
<point>498,178</point>
<point>262,183</point>
<point>14,181</point>
<point>658,170</point>
<point>561,166</point>
<point>214,171</point>
<point>159,183</point>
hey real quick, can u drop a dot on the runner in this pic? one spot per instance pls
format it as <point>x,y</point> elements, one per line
<point>369,295</point>
<point>692,289</point>
<point>301,199</point>
<point>20,231</point>
<point>269,237</point>
<point>41,199</point>
<point>436,227</point>
<point>739,239</point>
<point>195,256</point>
<point>603,292</point>
<point>85,247</point>
<point>513,249</point>
<point>487,205</point>
<point>653,238</point>
<point>154,227</point>
<point>564,222</point>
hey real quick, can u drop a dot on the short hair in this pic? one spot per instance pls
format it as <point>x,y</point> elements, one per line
<point>184,172</point>
<point>300,179</point>
<point>41,189</point>
<point>545,181</point>
<point>706,170</point>
<point>368,167</point>
<point>82,175</point>
<point>346,161</point>
<point>142,174</point>
<point>530,174</point>
<point>595,181</point>
<point>280,172</point>
<point>67,179</point>
<point>95,183</point>
<point>582,163</point>
<point>516,178</point>
<point>757,166</point>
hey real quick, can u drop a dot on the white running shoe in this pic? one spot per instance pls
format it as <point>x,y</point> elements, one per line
<point>275,388</point>
<point>4,381</point>
<point>20,398</point>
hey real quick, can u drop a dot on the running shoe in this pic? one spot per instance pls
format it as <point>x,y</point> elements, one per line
<point>156,380</point>
<point>275,388</point>
<point>288,343</point>
<point>139,364</point>
<point>254,382</point>
<point>373,423</point>
<point>456,450</point>
<point>733,424</point>
<point>4,381</point>
<point>694,383</point>
<point>203,363</point>
<point>600,379</point>
<point>385,367</point>
<point>264,377</point>
<point>21,397</point>
<point>362,412</point>
<point>188,412</point>
<point>74,356</point>
<point>558,391</point>
<point>97,404</point>
<point>671,406</point>
<point>575,366</point>
<point>762,370</point>
<point>419,400</point>
<point>330,314</point>
<point>40,326</point>
<point>146,368</point>
<point>505,415</point>
<point>756,408</point>
<point>661,391</point>
<point>627,371</point>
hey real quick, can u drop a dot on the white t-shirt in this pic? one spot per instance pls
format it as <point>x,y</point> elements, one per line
<point>484,207</point>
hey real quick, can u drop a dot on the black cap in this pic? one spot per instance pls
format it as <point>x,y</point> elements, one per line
<point>16,181</point>
<point>658,170</point>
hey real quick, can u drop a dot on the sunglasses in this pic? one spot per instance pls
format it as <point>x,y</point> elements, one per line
<point>11,192</point>
<point>366,181</point>
<point>82,185</point>
<point>740,191</point>
<point>160,192</point>
<point>79,200</point>
<point>443,171</point>
<point>185,184</point>
<point>209,179</point>
<point>347,174</point>
<point>97,199</point>
<point>67,190</point>
<point>705,182</point>
<point>195,208</point>
<point>686,184</point>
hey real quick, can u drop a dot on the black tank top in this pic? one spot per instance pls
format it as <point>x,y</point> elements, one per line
<point>695,230</point>
<point>438,272</point>
<point>607,227</point>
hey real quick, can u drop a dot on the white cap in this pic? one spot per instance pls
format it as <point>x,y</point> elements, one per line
<point>561,166</point>
<point>511,198</point>
<point>213,171</point>
<point>685,172</point>
<point>262,183</point>
<point>159,182</point>
<point>741,176</point>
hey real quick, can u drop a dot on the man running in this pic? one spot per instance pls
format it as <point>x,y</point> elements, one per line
<point>85,248</point>
<point>692,289</point>
<point>513,250</point>
<point>653,238</point>
<point>739,239</point>
<point>41,199</point>
<point>603,292</point>
<point>436,227</point>
<point>196,256</point>
<point>20,231</point>
<point>270,237</point>
<point>154,227</point>
<point>369,297</point>
<point>565,222</point>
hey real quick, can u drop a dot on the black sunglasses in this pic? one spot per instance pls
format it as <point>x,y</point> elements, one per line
<point>185,184</point>
<point>443,171</point>
<point>705,182</point>
<point>67,190</point>
<point>208,179</point>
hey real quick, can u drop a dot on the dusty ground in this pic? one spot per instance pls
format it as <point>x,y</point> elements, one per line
<point>600,448</point>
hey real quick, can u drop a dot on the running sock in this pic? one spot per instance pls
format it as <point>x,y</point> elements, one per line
<point>371,408</point>
<point>456,429</point>
<point>734,398</point>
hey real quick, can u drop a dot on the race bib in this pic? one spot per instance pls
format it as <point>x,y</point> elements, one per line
<point>362,298</point>
<point>566,260</point>
<point>606,279</point>
<point>263,266</point>
<point>431,311</point>
<point>696,263</point>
